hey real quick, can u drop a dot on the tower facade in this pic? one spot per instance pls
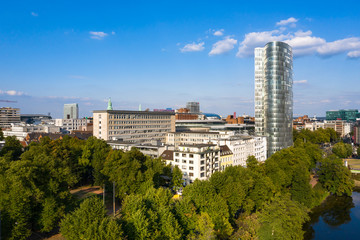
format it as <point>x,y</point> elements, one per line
<point>71,111</point>
<point>273,95</point>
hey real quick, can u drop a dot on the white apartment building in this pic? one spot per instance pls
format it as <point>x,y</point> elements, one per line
<point>196,137</point>
<point>312,126</point>
<point>197,161</point>
<point>242,146</point>
<point>245,146</point>
<point>71,124</point>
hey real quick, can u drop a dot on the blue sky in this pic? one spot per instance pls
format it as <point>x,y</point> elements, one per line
<point>164,53</point>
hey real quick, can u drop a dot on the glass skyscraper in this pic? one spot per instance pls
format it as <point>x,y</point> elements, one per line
<point>71,111</point>
<point>273,95</point>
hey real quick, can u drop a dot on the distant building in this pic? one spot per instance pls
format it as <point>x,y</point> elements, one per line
<point>68,125</point>
<point>356,136</point>
<point>34,118</point>
<point>8,116</point>
<point>343,114</point>
<point>194,107</point>
<point>71,111</point>
<point>132,126</point>
<point>343,128</point>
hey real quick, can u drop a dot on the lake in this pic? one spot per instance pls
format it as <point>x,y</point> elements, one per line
<point>335,218</point>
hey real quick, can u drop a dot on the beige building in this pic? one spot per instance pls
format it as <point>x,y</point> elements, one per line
<point>132,126</point>
<point>9,115</point>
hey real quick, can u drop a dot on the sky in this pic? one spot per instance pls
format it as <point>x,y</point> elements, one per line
<point>162,54</point>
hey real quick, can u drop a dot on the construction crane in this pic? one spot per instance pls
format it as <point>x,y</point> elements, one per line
<point>8,101</point>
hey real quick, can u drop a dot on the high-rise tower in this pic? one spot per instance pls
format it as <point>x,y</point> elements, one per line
<point>273,95</point>
<point>71,111</point>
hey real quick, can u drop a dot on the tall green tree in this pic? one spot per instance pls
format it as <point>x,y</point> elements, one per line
<point>342,150</point>
<point>335,177</point>
<point>90,221</point>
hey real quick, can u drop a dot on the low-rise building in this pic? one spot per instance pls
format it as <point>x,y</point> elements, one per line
<point>68,125</point>
<point>226,157</point>
<point>197,161</point>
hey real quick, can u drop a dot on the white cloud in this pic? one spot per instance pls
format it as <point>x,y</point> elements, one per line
<point>325,101</point>
<point>300,82</point>
<point>193,47</point>
<point>258,39</point>
<point>339,46</point>
<point>97,35</point>
<point>290,21</point>
<point>354,54</point>
<point>302,42</point>
<point>223,46</point>
<point>12,93</point>
<point>219,32</point>
<point>34,14</point>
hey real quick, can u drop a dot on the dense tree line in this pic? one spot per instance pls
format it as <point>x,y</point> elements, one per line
<point>267,200</point>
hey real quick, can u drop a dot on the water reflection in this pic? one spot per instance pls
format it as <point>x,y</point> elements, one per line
<point>327,218</point>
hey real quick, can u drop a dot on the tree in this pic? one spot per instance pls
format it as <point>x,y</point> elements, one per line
<point>204,229</point>
<point>342,150</point>
<point>12,148</point>
<point>282,219</point>
<point>177,180</point>
<point>335,177</point>
<point>1,135</point>
<point>150,216</point>
<point>358,151</point>
<point>90,221</point>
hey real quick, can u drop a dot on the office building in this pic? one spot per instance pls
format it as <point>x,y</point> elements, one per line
<point>273,95</point>
<point>132,126</point>
<point>8,116</point>
<point>347,115</point>
<point>71,111</point>
<point>194,107</point>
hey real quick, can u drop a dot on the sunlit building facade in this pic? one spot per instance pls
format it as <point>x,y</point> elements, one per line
<point>273,95</point>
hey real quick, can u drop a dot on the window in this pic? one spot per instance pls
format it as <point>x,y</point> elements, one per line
<point>191,168</point>
<point>183,167</point>
<point>191,155</point>
<point>202,174</point>
<point>202,168</point>
<point>177,154</point>
<point>191,174</point>
<point>202,162</point>
<point>191,162</point>
<point>184,161</point>
<point>176,160</point>
<point>183,155</point>
<point>202,155</point>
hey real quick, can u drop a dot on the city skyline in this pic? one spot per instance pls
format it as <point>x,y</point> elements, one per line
<point>165,54</point>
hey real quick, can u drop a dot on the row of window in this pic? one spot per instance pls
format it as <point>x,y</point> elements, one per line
<point>138,116</point>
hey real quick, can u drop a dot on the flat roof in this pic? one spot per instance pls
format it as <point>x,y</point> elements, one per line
<point>133,112</point>
<point>196,132</point>
<point>196,145</point>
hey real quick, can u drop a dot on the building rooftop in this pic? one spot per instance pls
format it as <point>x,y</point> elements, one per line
<point>197,145</point>
<point>133,112</point>
<point>167,155</point>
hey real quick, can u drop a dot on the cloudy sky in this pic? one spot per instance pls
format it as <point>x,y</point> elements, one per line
<point>164,53</point>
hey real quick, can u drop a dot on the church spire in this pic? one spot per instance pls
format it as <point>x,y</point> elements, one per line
<point>109,105</point>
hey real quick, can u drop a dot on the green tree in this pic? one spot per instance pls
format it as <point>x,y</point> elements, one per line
<point>90,221</point>
<point>177,178</point>
<point>150,216</point>
<point>204,229</point>
<point>358,151</point>
<point>12,149</point>
<point>247,227</point>
<point>282,218</point>
<point>342,150</point>
<point>1,135</point>
<point>335,177</point>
